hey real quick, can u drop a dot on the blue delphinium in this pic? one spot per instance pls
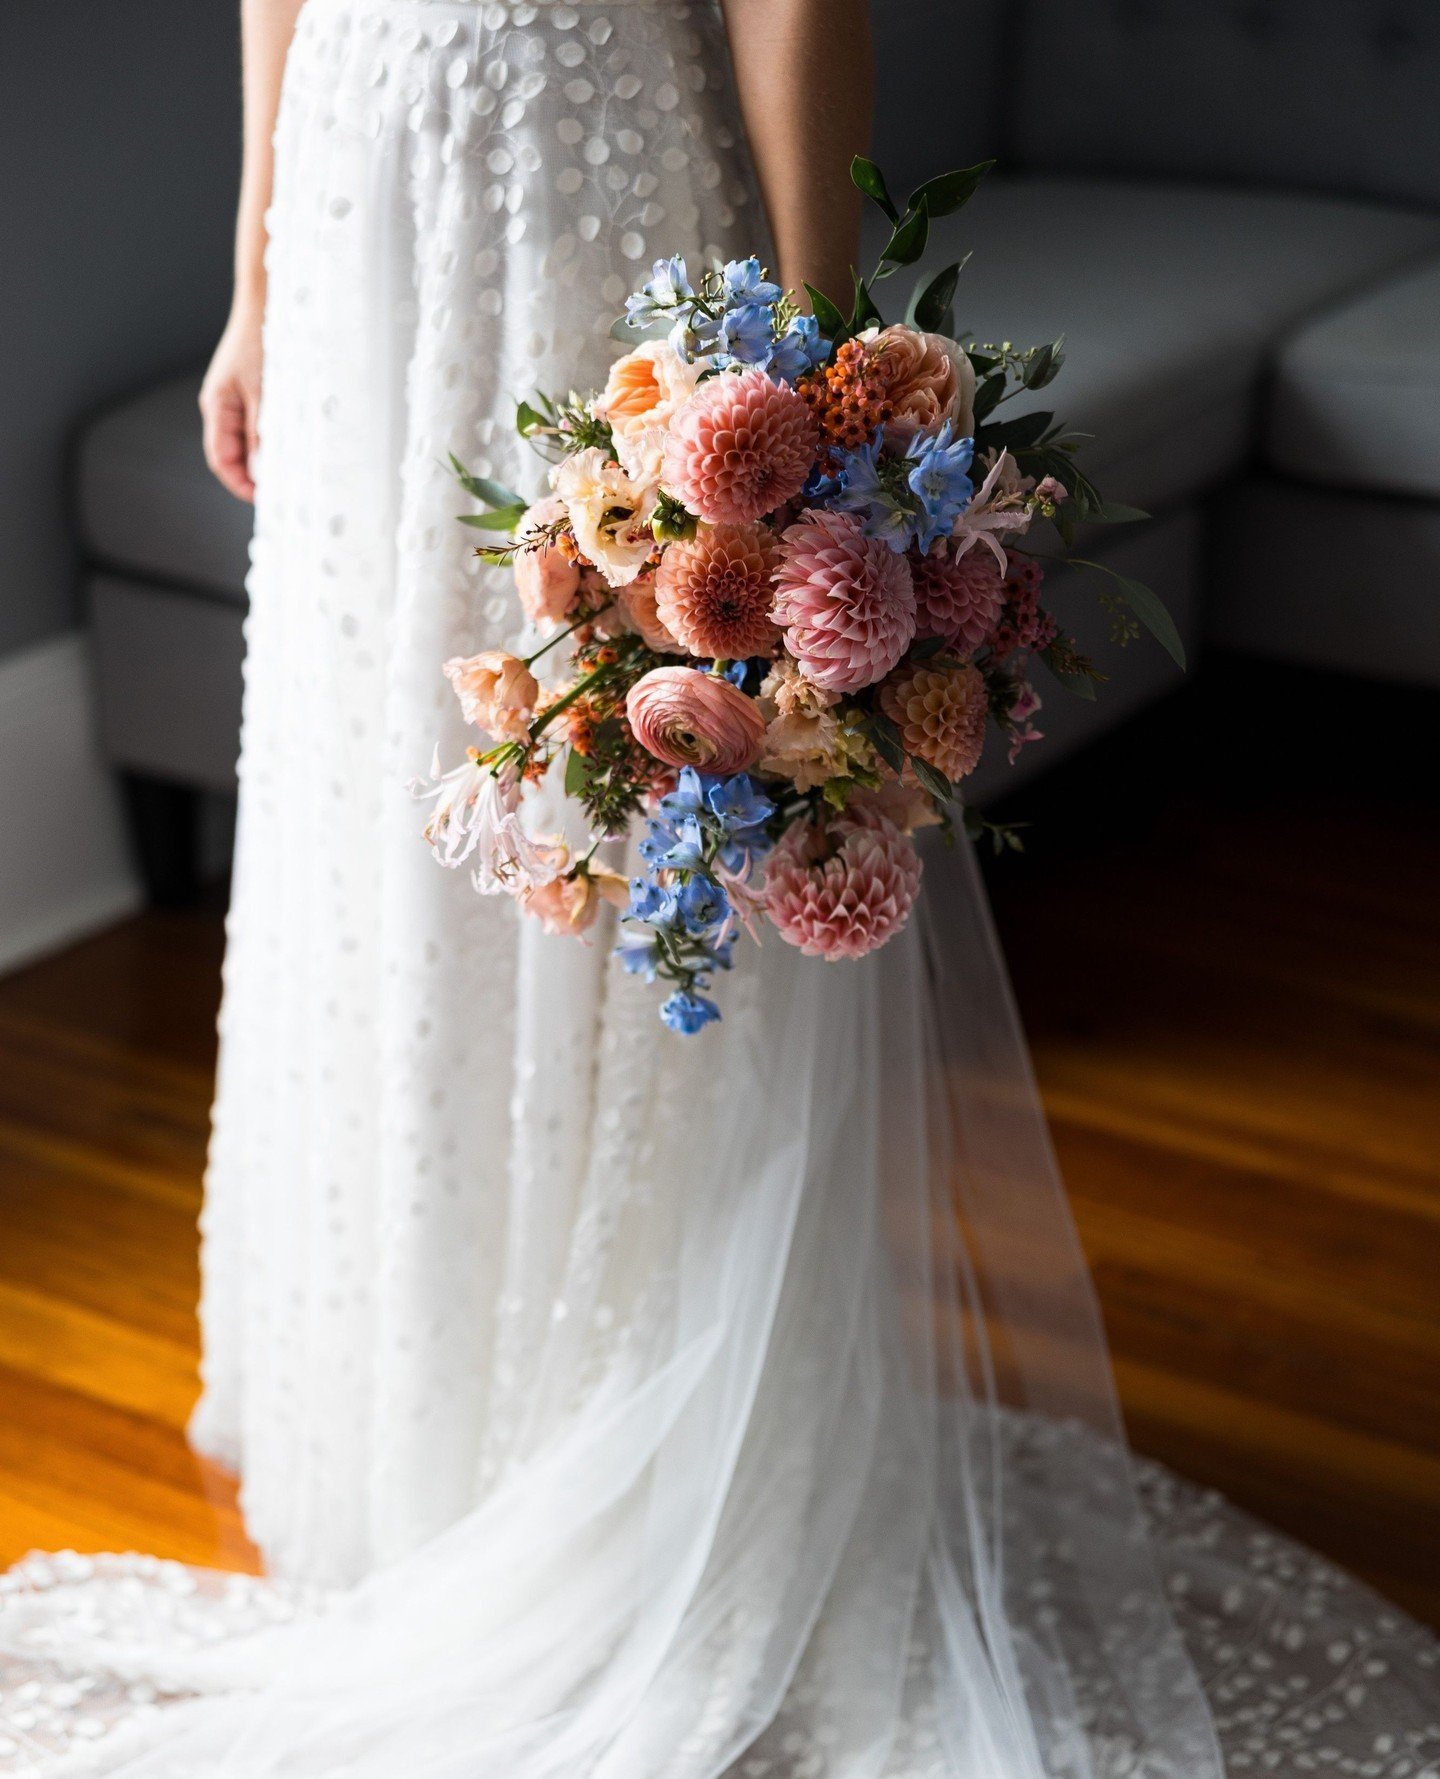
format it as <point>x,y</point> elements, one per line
<point>746,335</point>
<point>687,1012</point>
<point>667,287</point>
<point>799,349</point>
<point>914,499</point>
<point>744,282</point>
<point>940,479</point>
<point>680,923</point>
<point>884,509</point>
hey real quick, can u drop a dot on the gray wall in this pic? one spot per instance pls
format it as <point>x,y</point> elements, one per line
<point>119,128</point>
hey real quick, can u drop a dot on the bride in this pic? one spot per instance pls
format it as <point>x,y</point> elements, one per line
<point>611,1405</point>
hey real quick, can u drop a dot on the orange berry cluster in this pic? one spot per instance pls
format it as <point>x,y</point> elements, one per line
<point>850,396</point>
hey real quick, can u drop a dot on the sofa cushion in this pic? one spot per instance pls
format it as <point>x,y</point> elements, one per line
<point>1356,400</point>
<point>1344,582</point>
<point>1172,299</point>
<point>147,502</point>
<point>1331,95</point>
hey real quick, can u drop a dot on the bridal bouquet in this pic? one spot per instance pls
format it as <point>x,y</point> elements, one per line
<point>782,553</point>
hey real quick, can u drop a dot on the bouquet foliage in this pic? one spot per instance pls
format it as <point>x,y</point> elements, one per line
<point>783,566</point>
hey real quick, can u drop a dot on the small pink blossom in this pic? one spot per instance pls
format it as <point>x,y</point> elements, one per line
<point>567,905</point>
<point>497,692</point>
<point>1001,507</point>
<point>547,577</point>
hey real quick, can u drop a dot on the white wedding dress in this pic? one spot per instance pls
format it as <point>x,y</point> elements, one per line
<point>611,1405</point>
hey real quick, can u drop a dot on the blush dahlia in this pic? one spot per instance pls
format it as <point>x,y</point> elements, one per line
<point>713,592</point>
<point>845,601</point>
<point>739,448</point>
<point>845,890</point>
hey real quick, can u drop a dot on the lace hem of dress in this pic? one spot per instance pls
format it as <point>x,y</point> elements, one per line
<point>1306,1671</point>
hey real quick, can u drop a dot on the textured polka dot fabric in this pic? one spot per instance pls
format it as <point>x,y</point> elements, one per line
<point>465,194</point>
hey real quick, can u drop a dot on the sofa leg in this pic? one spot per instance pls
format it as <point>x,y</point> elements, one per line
<point>165,830</point>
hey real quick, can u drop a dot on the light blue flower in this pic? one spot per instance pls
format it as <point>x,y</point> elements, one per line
<point>799,349</point>
<point>738,803</point>
<point>690,794</point>
<point>659,838</point>
<point>747,334</point>
<point>656,904</point>
<point>863,492</point>
<point>704,907</point>
<point>687,850</point>
<point>745,282</point>
<point>688,1013</point>
<point>638,952</point>
<point>940,479</point>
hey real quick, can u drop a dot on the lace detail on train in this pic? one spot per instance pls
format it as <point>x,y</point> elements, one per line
<point>1306,1671</point>
<point>629,1406</point>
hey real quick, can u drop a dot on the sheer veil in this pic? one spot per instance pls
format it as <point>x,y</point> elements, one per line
<point>820,1470</point>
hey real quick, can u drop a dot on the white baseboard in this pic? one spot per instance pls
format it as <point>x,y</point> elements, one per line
<point>65,869</point>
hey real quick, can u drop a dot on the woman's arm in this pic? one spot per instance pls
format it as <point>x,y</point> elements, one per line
<point>230,395</point>
<point>804,72</point>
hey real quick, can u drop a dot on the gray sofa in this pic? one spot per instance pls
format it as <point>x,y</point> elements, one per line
<point>1233,213</point>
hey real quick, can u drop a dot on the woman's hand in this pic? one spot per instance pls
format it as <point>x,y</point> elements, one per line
<point>230,403</point>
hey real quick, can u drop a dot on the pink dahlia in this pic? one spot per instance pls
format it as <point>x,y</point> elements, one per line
<point>713,591</point>
<point>688,718</point>
<point>843,890</point>
<point>739,448</point>
<point>846,602</point>
<point>959,598</point>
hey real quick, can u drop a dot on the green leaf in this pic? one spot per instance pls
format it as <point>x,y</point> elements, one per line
<point>1080,684</point>
<point>935,782</point>
<point>1027,429</point>
<point>1147,606</point>
<point>1113,512</point>
<point>987,396</point>
<point>868,178</point>
<point>1044,364</point>
<point>529,419</point>
<point>494,494</point>
<point>888,744</point>
<point>504,518</point>
<point>943,196</point>
<point>577,774</point>
<point>864,314</point>
<point>827,314</point>
<point>907,242</point>
<point>933,304</point>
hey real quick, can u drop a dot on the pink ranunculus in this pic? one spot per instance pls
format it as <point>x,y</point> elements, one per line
<point>739,448</point>
<point>843,890</point>
<point>688,718</point>
<point>497,692</point>
<point>845,601</point>
<point>547,577</point>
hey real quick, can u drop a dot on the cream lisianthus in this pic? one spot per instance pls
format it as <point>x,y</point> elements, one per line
<point>609,513</point>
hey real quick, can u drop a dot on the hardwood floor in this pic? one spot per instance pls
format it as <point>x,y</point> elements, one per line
<point>1232,984</point>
